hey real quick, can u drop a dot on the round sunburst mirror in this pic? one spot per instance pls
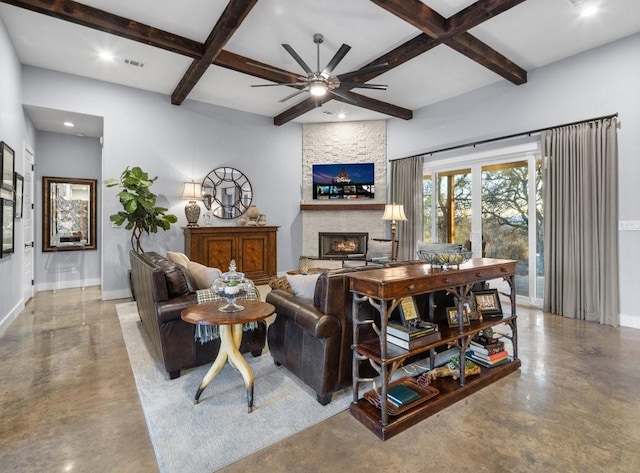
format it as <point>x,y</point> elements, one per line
<point>226,192</point>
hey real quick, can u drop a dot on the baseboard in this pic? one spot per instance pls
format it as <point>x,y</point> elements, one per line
<point>52,286</point>
<point>10,317</point>
<point>119,294</point>
<point>631,321</point>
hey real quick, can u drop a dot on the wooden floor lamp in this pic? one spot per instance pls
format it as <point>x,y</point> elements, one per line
<point>393,212</point>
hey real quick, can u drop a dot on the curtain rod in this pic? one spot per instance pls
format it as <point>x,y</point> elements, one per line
<point>516,135</point>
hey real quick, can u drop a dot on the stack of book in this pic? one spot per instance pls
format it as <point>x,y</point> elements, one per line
<point>410,337</point>
<point>488,352</point>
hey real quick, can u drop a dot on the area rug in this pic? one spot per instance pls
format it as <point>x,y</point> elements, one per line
<point>204,437</point>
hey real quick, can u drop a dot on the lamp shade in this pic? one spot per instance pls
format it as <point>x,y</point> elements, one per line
<point>394,212</point>
<point>192,191</point>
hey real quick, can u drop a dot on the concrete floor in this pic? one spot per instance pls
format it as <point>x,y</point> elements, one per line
<point>69,404</point>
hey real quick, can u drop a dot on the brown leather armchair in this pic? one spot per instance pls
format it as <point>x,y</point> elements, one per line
<point>162,290</point>
<point>312,338</point>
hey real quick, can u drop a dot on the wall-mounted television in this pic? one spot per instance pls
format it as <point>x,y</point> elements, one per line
<point>343,181</point>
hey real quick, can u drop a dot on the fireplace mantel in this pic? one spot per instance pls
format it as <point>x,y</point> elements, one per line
<point>337,206</point>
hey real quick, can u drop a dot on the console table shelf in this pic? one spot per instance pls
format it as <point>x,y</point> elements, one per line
<point>383,289</point>
<point>450,392</point>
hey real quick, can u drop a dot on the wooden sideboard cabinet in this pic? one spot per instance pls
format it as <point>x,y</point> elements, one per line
<point>254,249</point>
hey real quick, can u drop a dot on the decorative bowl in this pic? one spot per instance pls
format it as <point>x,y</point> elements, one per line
<point>445,259</point>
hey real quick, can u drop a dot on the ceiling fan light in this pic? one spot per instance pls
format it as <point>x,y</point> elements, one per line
<point>318,89</point>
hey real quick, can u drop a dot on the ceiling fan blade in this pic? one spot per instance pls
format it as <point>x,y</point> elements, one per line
<point>335,60</point>
<point>294,84</point>
<point>360,85</point>
<point>272,69</point>
<point>292,95</point>
<point>298,59</point>
<point>364,70</point>
<point>343,95</point>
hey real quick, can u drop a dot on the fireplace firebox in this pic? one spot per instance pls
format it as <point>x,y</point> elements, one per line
<point>341,245</point>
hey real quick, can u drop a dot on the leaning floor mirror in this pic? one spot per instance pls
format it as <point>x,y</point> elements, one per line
<point>69,214</point>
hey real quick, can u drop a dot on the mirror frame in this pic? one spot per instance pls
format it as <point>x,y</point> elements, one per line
<point>214,181</point>
<point>48,222</point>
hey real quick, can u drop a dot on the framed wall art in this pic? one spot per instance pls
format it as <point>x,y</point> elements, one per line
<point>19,190</point>
<point>68,213</point>
<point>487,303</point>
<point>7,156</point>
<point>6,223</point>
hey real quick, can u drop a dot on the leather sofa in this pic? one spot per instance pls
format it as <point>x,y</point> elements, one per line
<point>312,338</point>
<point>162,289</point>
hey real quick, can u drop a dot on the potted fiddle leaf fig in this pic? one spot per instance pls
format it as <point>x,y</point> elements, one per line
<point>139,206</point>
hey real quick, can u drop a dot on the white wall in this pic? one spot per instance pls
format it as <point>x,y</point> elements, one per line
<point>177,144</point>
<point>596,83</point>
<point>69,156</point>
<point>17,132</point>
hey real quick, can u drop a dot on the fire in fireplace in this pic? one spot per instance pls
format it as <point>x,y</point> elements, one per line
<point>340,245</point>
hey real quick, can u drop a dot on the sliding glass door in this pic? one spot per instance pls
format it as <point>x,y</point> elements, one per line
<point>492,206</point>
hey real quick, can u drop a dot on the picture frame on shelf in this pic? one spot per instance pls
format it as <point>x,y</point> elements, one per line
<point>7,158</point>
<point>6,223</point>
<point>408,309</point>
<point>452,316</point>
<point>19,193</point>
<point>487,303</point>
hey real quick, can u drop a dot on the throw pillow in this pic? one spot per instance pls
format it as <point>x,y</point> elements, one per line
<point>303,285</point>
<point>378,249</point>
<point>178,258</point>
<point>202,275</point>
<point>176,281</point>
<point>281,283</point>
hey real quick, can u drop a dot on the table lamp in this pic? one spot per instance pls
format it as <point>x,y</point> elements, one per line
<point>192,191</point>
<point>393,212</point>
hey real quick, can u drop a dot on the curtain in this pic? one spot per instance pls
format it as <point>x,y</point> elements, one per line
<point>406,189</point>
<point>580,221</point>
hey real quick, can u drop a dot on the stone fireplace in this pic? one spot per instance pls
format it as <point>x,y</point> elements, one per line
<point>342,245</point>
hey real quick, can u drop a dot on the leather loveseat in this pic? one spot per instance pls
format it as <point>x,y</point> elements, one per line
<point>162,290</point>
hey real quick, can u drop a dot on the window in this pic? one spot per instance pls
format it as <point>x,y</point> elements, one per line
<point>492,204</point>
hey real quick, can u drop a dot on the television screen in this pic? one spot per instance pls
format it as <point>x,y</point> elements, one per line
<point>343,181</point>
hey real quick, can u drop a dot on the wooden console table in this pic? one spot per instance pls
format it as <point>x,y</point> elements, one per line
<point>383,289</point>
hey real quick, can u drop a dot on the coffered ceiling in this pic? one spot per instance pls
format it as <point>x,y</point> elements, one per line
<point>213,51</point>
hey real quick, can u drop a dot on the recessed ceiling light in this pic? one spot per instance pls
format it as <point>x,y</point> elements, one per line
<point>69,124</point>
<point>106,55</point>
<point>587,7</point>
<point>589,10</point>
<point>341,115</point>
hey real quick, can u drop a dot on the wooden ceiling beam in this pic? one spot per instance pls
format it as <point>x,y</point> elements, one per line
<point>238,63</point>
<point>375,105</point>
<point>232,17</point>
<point>106,22</point>
<point>483,54</point>
<point>453,32</point>
<point>477,13</point>
<point>299,109</point>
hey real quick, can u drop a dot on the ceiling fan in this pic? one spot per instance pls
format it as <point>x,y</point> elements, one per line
<point>319,83</point>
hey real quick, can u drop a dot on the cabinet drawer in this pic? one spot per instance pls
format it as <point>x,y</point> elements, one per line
<point>485,274</point>
<point>414,286</point>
